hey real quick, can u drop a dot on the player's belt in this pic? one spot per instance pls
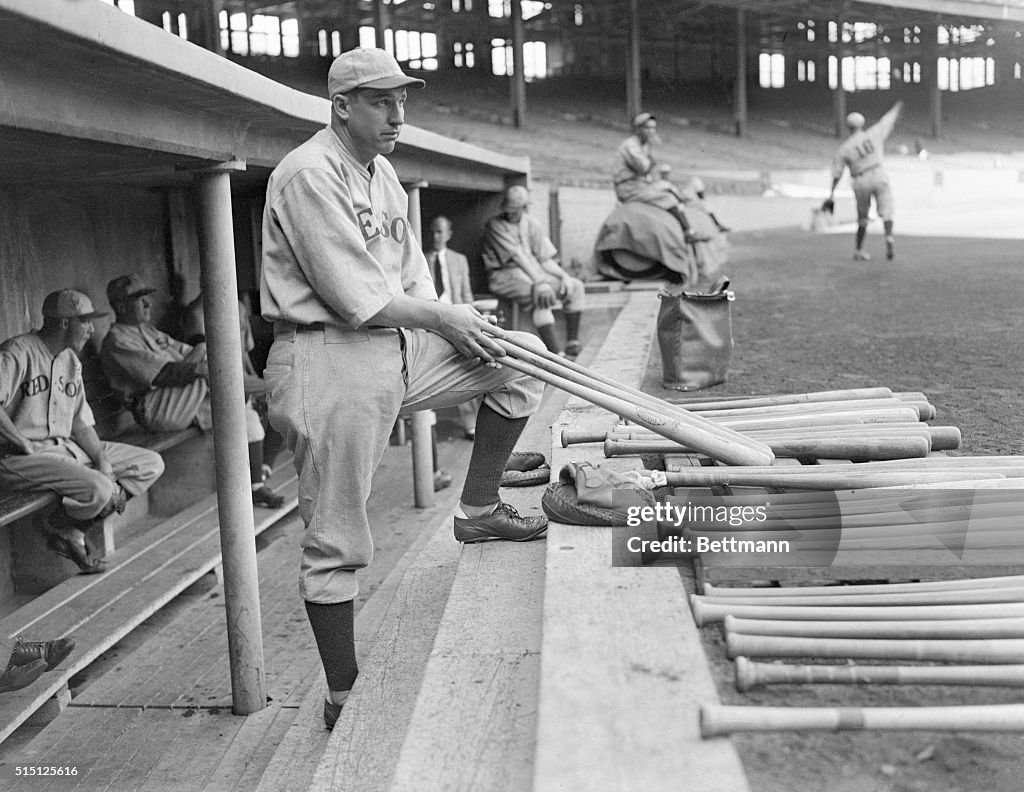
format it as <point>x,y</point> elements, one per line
<point>858,174</point>
<point>291,328</point>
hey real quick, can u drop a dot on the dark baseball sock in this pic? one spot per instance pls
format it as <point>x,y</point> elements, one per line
<point>496,436</point>
<point>861,231</point>
<point>256,462</point>
<point>334,629</point>
<point>547,335</point>
<point>572,325</point>
<point>888,228</point>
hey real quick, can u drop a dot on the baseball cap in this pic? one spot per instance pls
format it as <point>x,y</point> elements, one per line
<point>125,287</point>
<point>642,118</point>
<point>68,304</point>
<point>366,68</point>
<point>855,120</point>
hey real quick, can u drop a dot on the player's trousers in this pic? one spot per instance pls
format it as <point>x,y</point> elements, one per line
<point>512,283</point>
<point>178,407</point>
<point>62,467</point>
<point>335,394</point>
<point>873,184</point>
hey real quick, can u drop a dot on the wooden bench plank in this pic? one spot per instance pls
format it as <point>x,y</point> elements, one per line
<point>623,674</point>
<point>107,607</point>
<point>361,751</point>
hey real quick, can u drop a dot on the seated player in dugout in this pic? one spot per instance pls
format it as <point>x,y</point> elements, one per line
<point>639,177</point>
<point>360,337</point>
<point>522,267</point>
<point>48,440</point>
<point>163,381</point>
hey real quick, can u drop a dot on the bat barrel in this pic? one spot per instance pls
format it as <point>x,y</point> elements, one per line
<point>984,650</point>
<point>721,719</point>
<point>751,674</point>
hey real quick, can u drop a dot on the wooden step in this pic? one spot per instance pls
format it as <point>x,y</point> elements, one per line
<point>142,576</point>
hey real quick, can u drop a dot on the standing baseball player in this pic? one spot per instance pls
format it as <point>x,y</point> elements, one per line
<point>862,152</point>
<point>360,336</point>
<point>48,440</point>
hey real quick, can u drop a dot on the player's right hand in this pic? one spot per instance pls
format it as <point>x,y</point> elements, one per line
<point>469,331</point>
<point>543,295</point>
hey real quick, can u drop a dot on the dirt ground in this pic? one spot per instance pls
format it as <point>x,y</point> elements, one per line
<point>945,319</point>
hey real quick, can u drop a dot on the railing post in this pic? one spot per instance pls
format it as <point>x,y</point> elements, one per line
<point>234,491</point>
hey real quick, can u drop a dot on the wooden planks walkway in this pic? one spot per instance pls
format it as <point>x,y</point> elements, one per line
<point>623,669</point>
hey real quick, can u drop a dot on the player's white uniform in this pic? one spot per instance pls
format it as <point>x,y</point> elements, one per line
<point>44,397</point>
<point>337,248</point>
<point>862,152</point>
<point>132,357</point>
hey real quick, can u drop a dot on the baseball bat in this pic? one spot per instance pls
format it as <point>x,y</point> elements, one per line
<point>715,441</point>
<point>927,409</point>
<point>852,448</point>
<point>965,461</point>
<point>751,674</point>
<point>804,408</point>
<point>827,601</point>
<point>989,651</point>
<point>831,478</point>
<point>785,398</point>
<point>954,629</point>
<point>884,415</point>
<point>710,612</point>
<point>867,588</point>
<point>1005,483</point>
<point>979,519</point>
<point>943,438</point>
<point>719,719</point>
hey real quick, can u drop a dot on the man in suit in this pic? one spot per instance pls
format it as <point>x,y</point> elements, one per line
<point>450,271</point>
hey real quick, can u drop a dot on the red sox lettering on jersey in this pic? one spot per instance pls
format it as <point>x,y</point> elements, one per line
<point>42,394</point>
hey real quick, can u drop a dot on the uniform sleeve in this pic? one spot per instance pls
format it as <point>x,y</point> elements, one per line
<point>132,360</point>
<point>502,239</point>
<point>416,280</point>
<point>12,373</point>
<point>541,247</point>
<point>315,214</point>
<point>635,158</point>
<point>882,128</point>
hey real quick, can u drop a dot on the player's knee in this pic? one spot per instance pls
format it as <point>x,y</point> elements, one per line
<point>862,222</point>
<point>543,317</point>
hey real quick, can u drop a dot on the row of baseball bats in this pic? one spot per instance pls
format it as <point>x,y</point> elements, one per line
<point>856,424</point>
<point>976,624</point>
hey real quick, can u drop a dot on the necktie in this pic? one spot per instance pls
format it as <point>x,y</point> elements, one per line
<point>435,271</point>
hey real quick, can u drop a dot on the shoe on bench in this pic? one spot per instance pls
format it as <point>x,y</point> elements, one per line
<point>19,676</point>
<point>53,652</point>
<point>504,523</point>
<point>266,497</point>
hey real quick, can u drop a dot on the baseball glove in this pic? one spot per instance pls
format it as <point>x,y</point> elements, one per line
<point>829,206</point>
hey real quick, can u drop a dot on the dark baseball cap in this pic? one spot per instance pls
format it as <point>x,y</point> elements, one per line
<point>69,304</point>
<point>127,287</point>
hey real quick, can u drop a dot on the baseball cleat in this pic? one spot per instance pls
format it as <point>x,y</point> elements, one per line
<point>503,523</point>
<point>267,498</point>
<point>70,544</point>
<point>17,677</point>
<point>332,712</point>
<point>860,255</point>
<point>442,480</point>
<point>53,652</point>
